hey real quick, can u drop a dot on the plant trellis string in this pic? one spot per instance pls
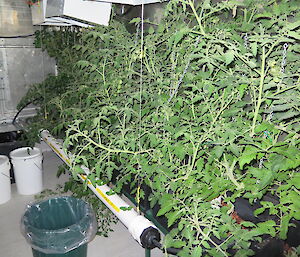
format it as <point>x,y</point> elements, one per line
<point>175,90</point>
<point>140,104</point>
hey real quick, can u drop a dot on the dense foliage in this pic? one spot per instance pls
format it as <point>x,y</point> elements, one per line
<point>203,107</point>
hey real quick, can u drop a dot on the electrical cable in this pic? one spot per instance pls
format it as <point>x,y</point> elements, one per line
<point>22,36</point>
<point>169,250</point>
<point>17,114</point>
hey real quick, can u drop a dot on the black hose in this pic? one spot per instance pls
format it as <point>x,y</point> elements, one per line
<point>169,250</point>
<point>21,36</point>
<point>17,114</point>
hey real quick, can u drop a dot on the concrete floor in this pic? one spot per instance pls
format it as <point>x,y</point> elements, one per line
<point>13,244</point>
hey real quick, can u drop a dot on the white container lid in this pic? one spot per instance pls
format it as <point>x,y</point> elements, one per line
<point>3,159</point>
<point>25,153</point>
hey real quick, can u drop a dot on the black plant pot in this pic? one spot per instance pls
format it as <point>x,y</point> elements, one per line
<point>273,247</point>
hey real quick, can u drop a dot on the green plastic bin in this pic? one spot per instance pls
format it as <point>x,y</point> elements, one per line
<point>59,227</point>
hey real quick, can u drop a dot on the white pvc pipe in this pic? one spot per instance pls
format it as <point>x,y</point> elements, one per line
<point>135,223</point>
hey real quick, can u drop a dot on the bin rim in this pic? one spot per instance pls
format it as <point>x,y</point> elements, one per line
<point>13,154</point>
<point>86,221</point>
<point>35,203</point>
<point>3,160</point>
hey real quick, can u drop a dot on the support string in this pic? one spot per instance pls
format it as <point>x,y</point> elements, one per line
<point>43,70</point>
<point>140,102</point>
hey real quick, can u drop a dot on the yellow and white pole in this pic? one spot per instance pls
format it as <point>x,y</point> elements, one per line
<point>138,225</point>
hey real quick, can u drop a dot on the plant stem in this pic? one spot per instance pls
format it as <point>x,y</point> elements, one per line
<point>197,16</point>
<point>285,89</point>
<point>109,149</point>
<point>229,172</point>
<point>260,92</point>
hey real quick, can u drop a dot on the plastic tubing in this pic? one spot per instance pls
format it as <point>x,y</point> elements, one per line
<point>135,223</point>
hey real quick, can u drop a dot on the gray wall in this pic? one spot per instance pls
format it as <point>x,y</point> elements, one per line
<point>21,65</point>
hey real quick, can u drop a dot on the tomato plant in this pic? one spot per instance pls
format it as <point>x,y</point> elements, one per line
<point>205,106</point>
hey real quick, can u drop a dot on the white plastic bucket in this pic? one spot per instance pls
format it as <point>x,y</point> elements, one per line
<point>5,190</point>
<point>28,170</point>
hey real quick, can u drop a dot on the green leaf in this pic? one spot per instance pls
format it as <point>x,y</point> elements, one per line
<point>234,149</point>
<point>218,150</point>
<point>247,224</point>
<point>172,217</point>
<point>284,227</point>
<point>267,227</point>
<point>263,15</point>
<point>153,140</point>
<point>263,126</point>
<point>287,115</point>
<point>160,28</point>
<point>259,211</point>
<point>92,150</point>
<point>247,156</point>
<point>283,107</point>
<point>217,234</point>
<point>200,164</point>
<point>179,35</point>
<point>242,89</point>
<point>206,245</point>
<point>244,253</point>
<point>206,4</point>
<point>278,162</point>
<point>252,64</point>
<point>184,253</point>
<point>296,214</point>
<point>177,244</point>
<point>254,48</point>
<point>179,151</point>
<point>295,181</point>
<point>165,199</point>
<point>151,30</point>
<point>294,34</point>
<point>267,178</point>
<point>197,252</point>
<point>229,57</point>
<point>293,25</point>
<point>78,170</point>
<point>123,208</point>
<point>165,208</point>
<point>135,20</point>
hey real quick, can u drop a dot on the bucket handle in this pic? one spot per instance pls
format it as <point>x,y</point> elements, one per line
<point>41,169</point>
<point>6,175</point>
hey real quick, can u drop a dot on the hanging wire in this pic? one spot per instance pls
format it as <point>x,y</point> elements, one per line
<point>283,62</point>
<point>246,40</point>
<point>175,90</point>
<point>137,34</point>
<point>140,101</point>
<point>141,73</point>
<point>271,114</point>
<point>282,70</point>
<point>43,71</point>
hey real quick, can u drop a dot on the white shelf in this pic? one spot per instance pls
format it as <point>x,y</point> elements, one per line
<point>70,12</point>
